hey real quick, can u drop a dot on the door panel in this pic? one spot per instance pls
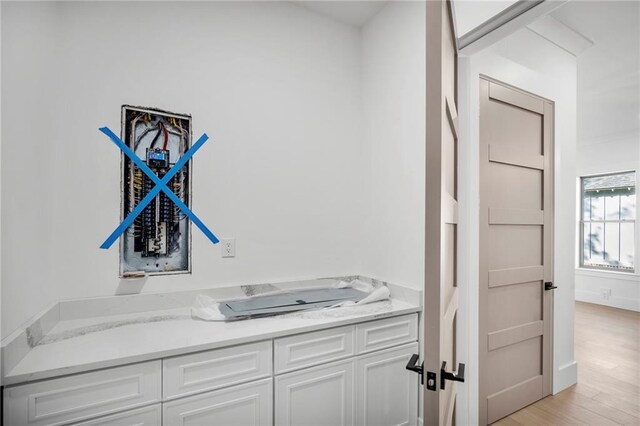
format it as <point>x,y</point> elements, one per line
<point>249,404</point>
<point>317,396</point>
<point>386,395</point>
<point>516,128</point>
<point>516,233</point>
<point>511,305</point>
<point>505,194</point>
<point>513,246</point>
<point>441,291</point>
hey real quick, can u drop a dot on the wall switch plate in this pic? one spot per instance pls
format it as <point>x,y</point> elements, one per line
<point>228,246</point>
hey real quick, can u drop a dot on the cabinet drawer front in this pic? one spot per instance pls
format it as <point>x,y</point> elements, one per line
<point>386,333</point>
<point>305,350</point>
<point>189,374</point>
<point>147,416</point>
<point>250,404</point>
<point>82,396</point>
<point>320,396</point>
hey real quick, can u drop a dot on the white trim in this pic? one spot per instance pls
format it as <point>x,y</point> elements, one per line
<point>506,28</point>
<point>496,21</point>
<point>614,301</point>
<point>565,376</point>
<point>599,273</point>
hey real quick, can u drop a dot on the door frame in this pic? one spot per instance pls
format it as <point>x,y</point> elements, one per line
<point>548,243</point>
<point>551,84</point>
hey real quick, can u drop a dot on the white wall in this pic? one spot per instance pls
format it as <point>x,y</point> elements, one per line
<point>0,185</point>
<point>533,64</point>
<point>315,164</point>
<point>394,100</point>
<point>609,124</point>
<point>275,86</point>
<point>28,99</point>
<point>394,114</point>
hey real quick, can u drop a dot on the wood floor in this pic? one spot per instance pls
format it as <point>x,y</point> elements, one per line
<point>608,389</point>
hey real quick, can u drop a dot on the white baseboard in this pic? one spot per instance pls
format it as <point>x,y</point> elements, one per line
<point>615,302</point>
<point>565,376</point>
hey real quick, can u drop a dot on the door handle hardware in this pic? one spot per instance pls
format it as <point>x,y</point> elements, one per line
<point>549,286</point>
<point>412,365</point>
<point>444,375</point>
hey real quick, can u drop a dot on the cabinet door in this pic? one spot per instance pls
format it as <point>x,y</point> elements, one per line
<point>309,349</point>
<point>386,333</point>
<point>386,393</point>
<point>205,371</point>
<point>319,396</point>
<point>147,416</point>
<point>83,396</point>
<point>250,404</point>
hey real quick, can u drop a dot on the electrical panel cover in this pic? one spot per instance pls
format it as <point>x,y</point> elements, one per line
<point>158,242</point>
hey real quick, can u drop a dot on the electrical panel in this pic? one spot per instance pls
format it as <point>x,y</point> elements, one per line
<point>159,240</point>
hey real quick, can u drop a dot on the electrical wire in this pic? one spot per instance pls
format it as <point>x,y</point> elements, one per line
<point>166,137</point>
<point>155,138</point>
<point>142,135</point>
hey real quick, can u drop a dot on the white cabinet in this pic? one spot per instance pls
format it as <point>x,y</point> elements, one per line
<point>340,376</point>
<point>147,416</point>
<point>309,349</point>
<point>386,333</point>
<point>386,393</point>
<point>250,404</point>
<point>210,370</point>
<point>318,396</point>
<point>83,396</point>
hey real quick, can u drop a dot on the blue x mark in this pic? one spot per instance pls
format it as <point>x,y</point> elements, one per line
<point>161,185</point>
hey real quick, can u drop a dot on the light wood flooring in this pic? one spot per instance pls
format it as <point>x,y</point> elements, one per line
<point>608,390</point>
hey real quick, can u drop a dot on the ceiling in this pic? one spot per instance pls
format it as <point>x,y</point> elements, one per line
<point>355,13</point>
<point>609,70</point>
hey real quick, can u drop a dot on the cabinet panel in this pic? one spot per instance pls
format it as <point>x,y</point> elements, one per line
<point>386,333</point>
<point>147,416</point>
<point>83,396</point>
<point>195,373</point>
<point>306,350</point>
<point>250,404</point>
<point>386,393</point>
<point>319,396</point>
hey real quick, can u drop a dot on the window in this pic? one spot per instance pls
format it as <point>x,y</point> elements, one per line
<point>608,221</point>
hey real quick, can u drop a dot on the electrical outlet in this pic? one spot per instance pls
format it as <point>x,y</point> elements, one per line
<point>228,246</point>
<point>606,293</point>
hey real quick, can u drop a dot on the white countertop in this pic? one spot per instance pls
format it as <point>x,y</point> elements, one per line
<point>84,344</point>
